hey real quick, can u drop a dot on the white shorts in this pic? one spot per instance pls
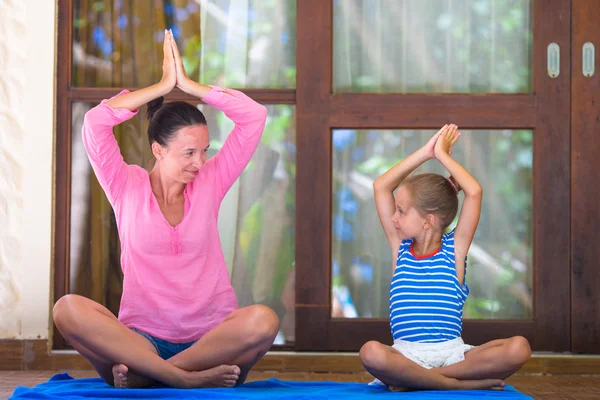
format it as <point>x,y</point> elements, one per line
<point>431,355</point>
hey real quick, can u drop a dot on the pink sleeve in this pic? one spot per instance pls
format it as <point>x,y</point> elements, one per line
<point>102,147</point>
<point>249,118</point>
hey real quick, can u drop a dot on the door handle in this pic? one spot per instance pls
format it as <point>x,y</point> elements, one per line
<point>588,59</point>
<point>553,60</point>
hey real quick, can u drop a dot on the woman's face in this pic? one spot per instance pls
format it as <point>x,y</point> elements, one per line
<point>185,154</point>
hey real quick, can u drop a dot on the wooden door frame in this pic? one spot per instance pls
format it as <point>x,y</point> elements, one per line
<point>585,179</point>
<point>546,110</point>
<point>318,111</point>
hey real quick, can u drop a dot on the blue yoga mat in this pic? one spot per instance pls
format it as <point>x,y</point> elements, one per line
<point>63,387</point>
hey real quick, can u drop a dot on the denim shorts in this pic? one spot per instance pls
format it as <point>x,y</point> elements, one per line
<point>165,348</point>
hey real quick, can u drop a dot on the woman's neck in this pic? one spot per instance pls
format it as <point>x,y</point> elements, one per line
<point>165,190</point>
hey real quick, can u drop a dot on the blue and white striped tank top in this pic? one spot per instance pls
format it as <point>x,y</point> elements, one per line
<point>426,299</point>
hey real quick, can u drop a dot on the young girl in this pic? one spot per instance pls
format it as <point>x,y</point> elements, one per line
<point>428,288</point>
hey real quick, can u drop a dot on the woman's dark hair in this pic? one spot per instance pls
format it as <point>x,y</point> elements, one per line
<point>434,194</point>
<point>166,119</point>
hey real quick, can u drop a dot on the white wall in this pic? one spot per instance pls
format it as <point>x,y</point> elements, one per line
<point>27,49</point>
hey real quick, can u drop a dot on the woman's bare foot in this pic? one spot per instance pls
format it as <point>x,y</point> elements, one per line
<point>221,376</point>
<point>127,379</point>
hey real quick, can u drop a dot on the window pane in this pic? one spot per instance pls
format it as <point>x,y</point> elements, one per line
<point>258,245</point>
<point>499,270</point>
<point>232,43</point>
<point>433,46</point>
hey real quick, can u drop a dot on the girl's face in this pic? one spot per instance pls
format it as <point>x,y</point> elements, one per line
<point>409,223</point>
<point>185,155</point>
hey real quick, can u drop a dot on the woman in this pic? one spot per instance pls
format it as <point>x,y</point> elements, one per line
<point>178,322</point>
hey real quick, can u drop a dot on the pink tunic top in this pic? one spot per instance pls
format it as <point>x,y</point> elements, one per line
<point>176,284</point>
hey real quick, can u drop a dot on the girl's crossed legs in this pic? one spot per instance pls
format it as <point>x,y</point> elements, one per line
<point>484,367</point>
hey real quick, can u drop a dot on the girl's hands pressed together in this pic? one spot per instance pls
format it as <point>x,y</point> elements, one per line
<point>446,138</point>
<point>429,148</point>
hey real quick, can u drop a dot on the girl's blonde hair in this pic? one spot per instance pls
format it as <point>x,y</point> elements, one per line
<point>434,194</point>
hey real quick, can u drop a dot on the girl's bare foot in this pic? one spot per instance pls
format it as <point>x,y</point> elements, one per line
<point>127,379</point>
<point>221,376</point>
<point>392,388</point>
<point>482,384</point>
